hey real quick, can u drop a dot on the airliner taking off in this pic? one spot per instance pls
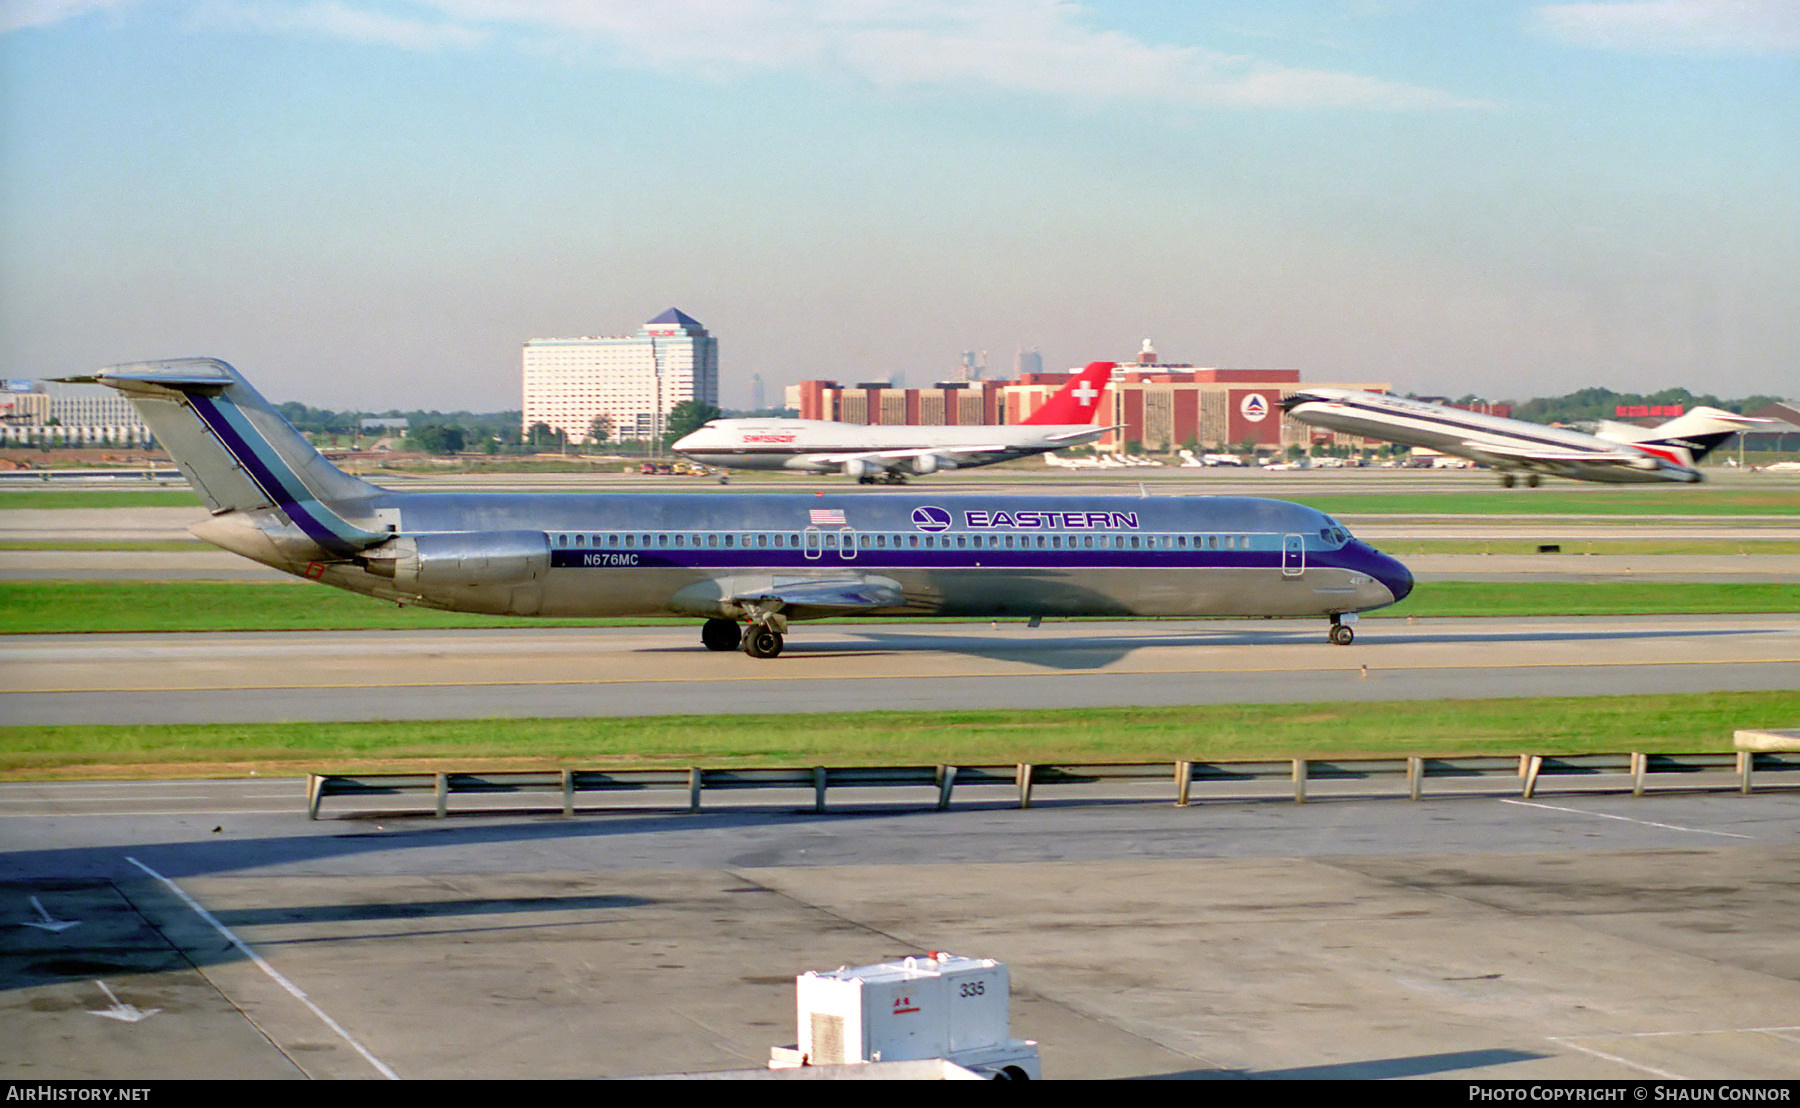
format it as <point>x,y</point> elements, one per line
<point>747,564</point>
<point>889,453</point>
<point>1616,452</point>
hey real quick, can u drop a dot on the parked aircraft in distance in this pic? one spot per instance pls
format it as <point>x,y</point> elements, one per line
<point>888,453</point>
<point>1616,452</point>
<point>755,560</point>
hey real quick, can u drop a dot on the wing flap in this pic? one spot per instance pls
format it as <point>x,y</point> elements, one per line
<point>808,598</point>
<point>1086,434</point>
<point>882,457</point>
<point>1524,454</point>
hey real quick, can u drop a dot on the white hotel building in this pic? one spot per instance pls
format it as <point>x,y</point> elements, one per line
<point>632,380</point>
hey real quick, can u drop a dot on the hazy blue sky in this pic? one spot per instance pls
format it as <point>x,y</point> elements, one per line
<point>375,202</point>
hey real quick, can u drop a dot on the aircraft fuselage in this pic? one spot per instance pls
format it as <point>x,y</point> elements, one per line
<point>956,555</point>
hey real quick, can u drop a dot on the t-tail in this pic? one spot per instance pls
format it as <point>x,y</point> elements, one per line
<point>246,461</point>
<point>1685,439</point>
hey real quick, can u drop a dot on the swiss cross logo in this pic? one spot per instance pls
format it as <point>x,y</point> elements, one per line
<point>1085,393</point>
<point>903,1005</point>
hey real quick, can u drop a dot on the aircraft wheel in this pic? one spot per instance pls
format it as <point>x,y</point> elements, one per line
<point>760,642</point>
<point>1341,635</point>
<point>1506,480</point>
<point>720,634</point>
<point>1531,481</point>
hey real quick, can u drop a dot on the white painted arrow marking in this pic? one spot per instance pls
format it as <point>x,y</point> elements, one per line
<point>48,922</point>
<point>124,1013</point>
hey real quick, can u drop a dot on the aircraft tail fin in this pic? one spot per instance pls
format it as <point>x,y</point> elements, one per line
<point>1694,434</point>
<point>1077,401</point>
<point>236,449</point>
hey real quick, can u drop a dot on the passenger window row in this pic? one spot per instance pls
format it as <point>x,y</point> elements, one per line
<point>881,540</point>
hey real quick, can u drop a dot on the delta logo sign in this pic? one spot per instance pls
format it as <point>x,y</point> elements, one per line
<point>1254,407</point>
<point>933,519</point>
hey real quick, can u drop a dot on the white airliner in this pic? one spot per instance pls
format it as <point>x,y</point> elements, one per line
<point>890,453</point>
<point>1615,452</point>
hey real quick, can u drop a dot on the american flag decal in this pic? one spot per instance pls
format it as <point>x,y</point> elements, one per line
<point>827,517</point>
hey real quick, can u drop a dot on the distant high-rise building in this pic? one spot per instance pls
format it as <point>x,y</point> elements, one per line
<point>1028,361</point>
<point>756,392</point>
<point>633,381</point>
<point>972,366</point>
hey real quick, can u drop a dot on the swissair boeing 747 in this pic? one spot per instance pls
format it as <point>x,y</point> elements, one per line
<point>890,453</point>
<point>746,564</point>
<point>1616,452</point>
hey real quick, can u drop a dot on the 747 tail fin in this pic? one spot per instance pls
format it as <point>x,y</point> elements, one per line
<point>1076,401</point>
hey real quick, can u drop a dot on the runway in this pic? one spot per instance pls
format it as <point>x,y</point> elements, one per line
<point>839,667</point>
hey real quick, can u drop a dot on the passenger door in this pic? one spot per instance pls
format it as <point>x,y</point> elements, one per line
<point>1293,555</point>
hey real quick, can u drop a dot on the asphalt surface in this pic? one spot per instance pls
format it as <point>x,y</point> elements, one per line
<point>827,668</point>
<point>207,929</point>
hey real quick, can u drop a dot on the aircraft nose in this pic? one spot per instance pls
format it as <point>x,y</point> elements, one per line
<point>1395,577</point>
<point>1289,403</point>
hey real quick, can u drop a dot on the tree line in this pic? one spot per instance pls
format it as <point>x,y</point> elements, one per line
<point>1600,403</point>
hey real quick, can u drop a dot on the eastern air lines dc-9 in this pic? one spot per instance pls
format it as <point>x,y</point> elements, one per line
<point>746,564</point>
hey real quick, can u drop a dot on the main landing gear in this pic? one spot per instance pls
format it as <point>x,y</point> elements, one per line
<point>1506,480</point>
<point>756,640</point>
<point>720,634</point>
<point>886,477</point>
<point>1340,633</point>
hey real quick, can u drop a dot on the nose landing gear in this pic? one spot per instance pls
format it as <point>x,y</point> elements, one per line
<point>762,642</point>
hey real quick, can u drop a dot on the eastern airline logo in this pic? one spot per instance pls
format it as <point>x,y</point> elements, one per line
<point>1079,521</point>
<point>1254,407</point>
<point>931,519</point>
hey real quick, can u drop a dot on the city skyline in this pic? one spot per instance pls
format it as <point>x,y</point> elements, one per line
<point>374,203</point>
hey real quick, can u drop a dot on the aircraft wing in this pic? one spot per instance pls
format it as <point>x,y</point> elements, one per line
<point>1085,434</point>
<point>1527,455</point>
<point>889,457</point>
<point>807,598</point>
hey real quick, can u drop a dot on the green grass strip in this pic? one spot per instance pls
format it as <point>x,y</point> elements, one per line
<point>1678,500</point>
<point>1570,725</point>
<point>63,607</point>
<point>1713,548</point>
<point>57,607</point>
<point>1595,598</point>
<point>106,498</point>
